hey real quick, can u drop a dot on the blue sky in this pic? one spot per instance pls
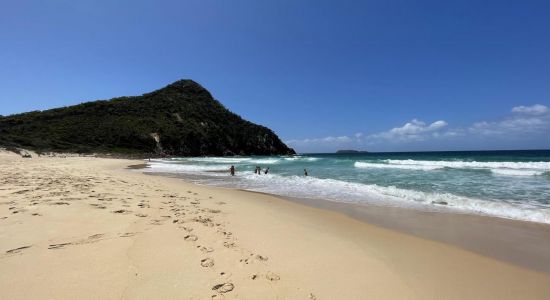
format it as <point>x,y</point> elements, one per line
<point>377,75</point>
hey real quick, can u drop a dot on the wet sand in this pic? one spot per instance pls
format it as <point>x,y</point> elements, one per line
<point>522,243</point>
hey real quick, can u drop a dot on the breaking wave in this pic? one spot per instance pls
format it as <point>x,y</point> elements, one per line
<point>337,190</point>
<point>498,168</point>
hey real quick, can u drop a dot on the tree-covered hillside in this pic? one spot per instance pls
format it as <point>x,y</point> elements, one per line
<point>183,117</point>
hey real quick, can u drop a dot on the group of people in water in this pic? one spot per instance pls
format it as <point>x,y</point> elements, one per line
<point>257,170</point>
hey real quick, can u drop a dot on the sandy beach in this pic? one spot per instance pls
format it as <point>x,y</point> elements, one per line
<point>90,228</point>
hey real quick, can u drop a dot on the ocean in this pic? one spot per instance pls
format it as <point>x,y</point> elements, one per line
<point>506,184</point>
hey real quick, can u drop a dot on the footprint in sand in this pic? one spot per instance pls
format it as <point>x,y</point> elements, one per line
<point>272,276</point>
<point>141,215</point>
<point>128,234</point>
<point>121,211</point>
<point>17,250</point>
<point>205,249</point>
<point>261,258</point>
<point>218,297</point>
<point>191,238</point>
<point>58,246</point>
<point>227,234</point>
<point>207,262</point>
<point>223,287</point>
<point>96,236</point>
<point>156,222</point>
<point>188,229</point>
<point>206,221</point>
<point>229,244</point>
<point>21,192</point>
<point>91,239</point>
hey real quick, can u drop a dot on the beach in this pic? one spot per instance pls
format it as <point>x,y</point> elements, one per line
<point>90,228</point>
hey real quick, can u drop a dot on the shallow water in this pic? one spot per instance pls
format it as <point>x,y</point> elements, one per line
<point>509,184</point>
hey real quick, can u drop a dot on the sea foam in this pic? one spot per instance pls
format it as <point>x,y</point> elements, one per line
<point>343,191</point>
<point>348,180</point>
<point>497,168</point>
<point>366,165</point>
<point>543,166</point>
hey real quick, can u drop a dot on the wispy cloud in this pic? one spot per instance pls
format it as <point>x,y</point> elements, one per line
<point>414,130</point>
<point>524,120</point>
<point>522,123</point>
<point>536,109</point>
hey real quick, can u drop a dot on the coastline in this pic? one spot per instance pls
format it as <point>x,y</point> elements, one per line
<point>295,251</point>
<point>522,243</point>
<point>518,242</point>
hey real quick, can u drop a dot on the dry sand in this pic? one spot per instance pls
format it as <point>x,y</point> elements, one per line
<point>87,228</point>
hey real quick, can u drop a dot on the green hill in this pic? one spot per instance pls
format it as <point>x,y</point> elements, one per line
<point>181,119</point>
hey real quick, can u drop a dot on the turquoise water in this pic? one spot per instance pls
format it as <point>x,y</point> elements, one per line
<point>509,184</point>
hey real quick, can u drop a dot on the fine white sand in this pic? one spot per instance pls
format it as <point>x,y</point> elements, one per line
<point>87,228</point>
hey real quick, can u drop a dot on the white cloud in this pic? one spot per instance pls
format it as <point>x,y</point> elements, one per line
<point>524,123</point>
<point>525,120</point>
<point>536,109</point>
<point>414,130</point>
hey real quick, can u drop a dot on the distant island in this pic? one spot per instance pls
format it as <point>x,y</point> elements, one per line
<point>350,151</point>
<point>181,119</point>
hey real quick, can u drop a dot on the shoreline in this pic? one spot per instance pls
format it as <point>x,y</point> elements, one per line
<point>523,243</point>
<point>70,225</point>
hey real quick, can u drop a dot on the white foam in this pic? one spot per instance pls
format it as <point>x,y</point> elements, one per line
<point>266,161</point>
<point>497,168</point>
<point>222,160</point>
<point>232,160</point>
<point>183,168</point>
<point>512,172</point>
<point>337,190</point>
<point>302,158</point>
<point>365,165</point>
<point>543,166</point>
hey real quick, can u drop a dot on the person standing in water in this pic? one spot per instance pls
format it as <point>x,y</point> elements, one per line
<point>232,170</point>
<point>305,172</point>
<point>266,170</point>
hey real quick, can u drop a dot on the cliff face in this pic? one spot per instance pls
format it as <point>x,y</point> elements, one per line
<point>180,119</point>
